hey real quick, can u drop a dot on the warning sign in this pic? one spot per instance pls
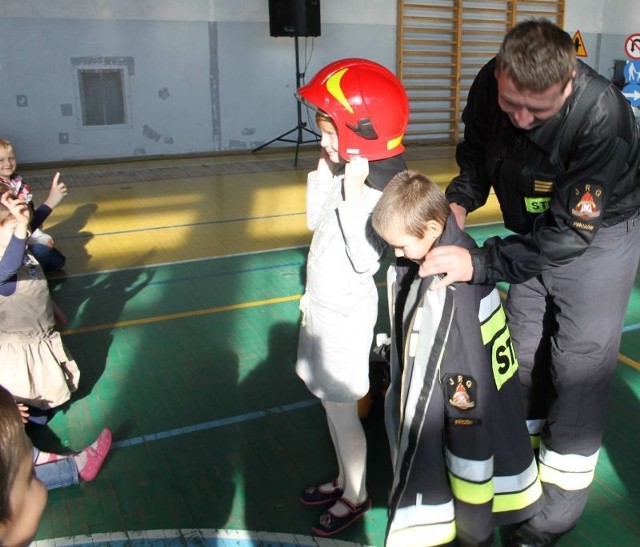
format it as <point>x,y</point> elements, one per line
<point>578,43</point>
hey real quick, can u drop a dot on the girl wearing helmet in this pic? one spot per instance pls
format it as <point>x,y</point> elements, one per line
<point>362,114</point>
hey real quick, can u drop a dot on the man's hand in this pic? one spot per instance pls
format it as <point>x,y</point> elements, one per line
<point>57,193</point>
<point>355,173</point>
<point>454,262</point>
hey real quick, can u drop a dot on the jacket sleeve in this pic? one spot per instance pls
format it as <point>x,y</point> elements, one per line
<point>471,187</point>
<point>364,246</point>
<point>318,190</point>
<point>598,159</point>
<point>10,263</point>
<point>39,216</point>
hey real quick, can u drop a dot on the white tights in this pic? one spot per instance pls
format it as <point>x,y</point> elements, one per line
<point>350,444</point>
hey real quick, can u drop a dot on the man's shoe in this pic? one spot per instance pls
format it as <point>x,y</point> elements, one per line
<point>527,536</point>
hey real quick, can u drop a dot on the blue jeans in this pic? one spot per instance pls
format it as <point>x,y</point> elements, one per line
<point>50,258</point>
<point>57,474</point>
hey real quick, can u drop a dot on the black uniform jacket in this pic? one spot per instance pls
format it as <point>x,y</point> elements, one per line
<point>556,184</point>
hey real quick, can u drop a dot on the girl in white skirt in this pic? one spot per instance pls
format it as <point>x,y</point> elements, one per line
<point>362,113</point>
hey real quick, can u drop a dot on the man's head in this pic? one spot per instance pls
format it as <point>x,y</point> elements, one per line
<point>535,69</point>
<point>411,214</point>
<point>22,496</point>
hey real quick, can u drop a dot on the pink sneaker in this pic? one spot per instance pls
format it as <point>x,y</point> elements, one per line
<point>96,454</point>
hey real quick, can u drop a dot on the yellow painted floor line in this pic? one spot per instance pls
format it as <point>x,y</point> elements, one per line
<point>243,305</point>
<point>181,315</point>
<point>625,360</point>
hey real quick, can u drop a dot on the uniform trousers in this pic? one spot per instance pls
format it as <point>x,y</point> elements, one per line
<point>566,325</point>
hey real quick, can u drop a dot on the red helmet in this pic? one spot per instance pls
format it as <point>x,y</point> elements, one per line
<point>366,102</point>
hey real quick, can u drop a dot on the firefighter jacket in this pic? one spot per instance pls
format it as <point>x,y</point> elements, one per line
<point>460,450</point>
<point>556,183</point>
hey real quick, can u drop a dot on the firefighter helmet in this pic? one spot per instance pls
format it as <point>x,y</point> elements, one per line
<point>366,102</point>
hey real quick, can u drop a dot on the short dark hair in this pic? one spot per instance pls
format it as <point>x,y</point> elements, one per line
<point>537,54</point>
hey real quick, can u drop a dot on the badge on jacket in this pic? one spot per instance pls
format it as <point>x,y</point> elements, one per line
<point>586,202</point>
<point>461,391</point>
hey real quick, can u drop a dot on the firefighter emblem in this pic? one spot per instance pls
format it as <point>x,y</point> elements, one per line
<point>461,391</point>
<point>587,202</point>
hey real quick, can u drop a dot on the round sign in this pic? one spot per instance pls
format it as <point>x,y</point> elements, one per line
<point>632,46</point>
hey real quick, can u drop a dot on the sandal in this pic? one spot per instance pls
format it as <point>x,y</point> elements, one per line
<point>330,524</point>
<point>314,496</point>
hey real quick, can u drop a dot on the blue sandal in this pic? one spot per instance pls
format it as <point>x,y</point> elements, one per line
<point>314,496</point>
<point>330,524</point>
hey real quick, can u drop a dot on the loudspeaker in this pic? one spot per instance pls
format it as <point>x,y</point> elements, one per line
<point>294,17</point>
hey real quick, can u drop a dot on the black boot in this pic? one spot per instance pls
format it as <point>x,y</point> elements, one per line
<point>527,536</point>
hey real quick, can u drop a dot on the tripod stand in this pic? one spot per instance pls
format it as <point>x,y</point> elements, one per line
<point>302,126</point>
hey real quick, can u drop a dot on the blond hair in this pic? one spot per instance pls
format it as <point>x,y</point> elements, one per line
<point>408,202</point>
<point>4,143</point>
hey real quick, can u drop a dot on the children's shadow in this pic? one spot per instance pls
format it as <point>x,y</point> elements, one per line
<point>97,313</point>
<point>69,231</point>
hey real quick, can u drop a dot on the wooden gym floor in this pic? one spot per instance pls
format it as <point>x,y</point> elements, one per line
<point>181,289</point>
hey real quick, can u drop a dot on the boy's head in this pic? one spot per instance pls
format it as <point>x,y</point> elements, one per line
<point>8,164</point>
<point>22,496</point>
<point>411,214</point>
<point>366,103</point>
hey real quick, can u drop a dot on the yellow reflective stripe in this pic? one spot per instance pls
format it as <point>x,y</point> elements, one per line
<point>503,356</point>
<point>394,143</point>
<point>517,500</point>
<point>568,471</point>
<point>535,441</point>
<point>471,492</point>
<point>427,535</point>
<point>566,481</point>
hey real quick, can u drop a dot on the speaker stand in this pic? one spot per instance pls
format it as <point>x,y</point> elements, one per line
<point>302,126</point>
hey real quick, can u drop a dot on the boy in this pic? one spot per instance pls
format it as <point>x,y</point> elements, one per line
<point>462,458</point>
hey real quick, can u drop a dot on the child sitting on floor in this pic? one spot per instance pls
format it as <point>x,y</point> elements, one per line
<point>40,243</point>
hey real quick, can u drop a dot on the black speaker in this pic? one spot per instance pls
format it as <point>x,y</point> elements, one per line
<point>294,17</point>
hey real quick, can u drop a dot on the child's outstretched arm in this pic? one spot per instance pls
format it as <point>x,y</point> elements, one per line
<point>57,193</point>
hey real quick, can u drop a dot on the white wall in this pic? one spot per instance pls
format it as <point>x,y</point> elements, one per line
<point>206,74</point>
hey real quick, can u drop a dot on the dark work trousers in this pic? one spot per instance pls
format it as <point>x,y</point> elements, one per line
<point>566,325</point>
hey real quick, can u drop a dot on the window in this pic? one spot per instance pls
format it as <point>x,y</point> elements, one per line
<point>103,91</point>
<point>102,97</point>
